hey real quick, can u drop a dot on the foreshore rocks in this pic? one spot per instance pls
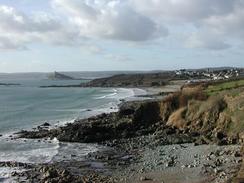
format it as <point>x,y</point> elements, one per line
<point>134,119</point>
<point>15,164</point>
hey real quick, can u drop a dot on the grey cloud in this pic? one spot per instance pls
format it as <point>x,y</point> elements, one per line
<point>188,10</point>
<point>215,18</point>
<point>130,26</point>
<point>12,20</point>
<point>111,20</point>
<point>210,24</point>
<point>18,29</point>
<point>208,41</point>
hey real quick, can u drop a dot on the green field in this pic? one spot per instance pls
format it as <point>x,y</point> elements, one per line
<point>215,88</point>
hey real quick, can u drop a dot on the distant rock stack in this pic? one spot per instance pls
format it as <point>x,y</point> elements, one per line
<point>59,76</point>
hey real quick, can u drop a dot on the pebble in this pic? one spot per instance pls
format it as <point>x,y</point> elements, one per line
<point>183,166</point>
<point>145,179</point>
<point>216,170</point>
<point>190,166</point>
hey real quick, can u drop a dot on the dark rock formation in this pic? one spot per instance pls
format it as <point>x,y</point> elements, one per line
<point>9,84</point>
<point>45,124</point>
<point>134,119</point>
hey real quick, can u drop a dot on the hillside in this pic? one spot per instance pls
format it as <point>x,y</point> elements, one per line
<point>134,80</point>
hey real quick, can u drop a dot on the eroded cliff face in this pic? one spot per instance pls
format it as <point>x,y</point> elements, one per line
<point>216,117</point>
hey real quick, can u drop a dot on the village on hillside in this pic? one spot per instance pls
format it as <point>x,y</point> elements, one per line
<point>210,74</point>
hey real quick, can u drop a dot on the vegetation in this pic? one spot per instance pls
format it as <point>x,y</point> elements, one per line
<point>227,85</point>
<point>207,109</point>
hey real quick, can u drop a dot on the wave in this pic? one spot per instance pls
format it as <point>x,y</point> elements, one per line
<point>28,151</point>
<point>111,95</point>
<point>63,122</point>
<point>5,174</point>
<point>74,151</point>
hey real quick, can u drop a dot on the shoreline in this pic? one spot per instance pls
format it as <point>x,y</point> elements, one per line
<point>11,135</point>
<point>90,113</point>
<point>127,153</point>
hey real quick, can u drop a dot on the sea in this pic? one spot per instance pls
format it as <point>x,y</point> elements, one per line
<point>27,105</point>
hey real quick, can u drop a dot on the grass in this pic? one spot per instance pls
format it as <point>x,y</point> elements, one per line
<point>216,88</point>
<point>215,106</point>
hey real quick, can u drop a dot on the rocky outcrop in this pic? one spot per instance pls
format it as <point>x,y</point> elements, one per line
<point>130,121</point>
<point>59,76</point>
<point>9,84</point>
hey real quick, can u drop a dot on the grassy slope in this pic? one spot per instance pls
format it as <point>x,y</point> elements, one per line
<point>216,88</point>
<point>233,94</point>
<point>217,107</point>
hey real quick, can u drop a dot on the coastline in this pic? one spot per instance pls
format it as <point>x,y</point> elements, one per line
<point>134,157</point>
<point>12,137</point>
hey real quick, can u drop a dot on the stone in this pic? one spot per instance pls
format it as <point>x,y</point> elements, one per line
<point>216,170</point>
<point>237,154</point>
<point>46,124</point>
<point>145,179</point>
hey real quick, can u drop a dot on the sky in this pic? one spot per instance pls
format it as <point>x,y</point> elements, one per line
<point>102,35</point>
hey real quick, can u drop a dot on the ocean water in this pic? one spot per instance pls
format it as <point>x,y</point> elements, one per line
<point>27,105</point>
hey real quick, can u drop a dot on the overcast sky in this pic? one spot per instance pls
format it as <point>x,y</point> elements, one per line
<point>80,35</point>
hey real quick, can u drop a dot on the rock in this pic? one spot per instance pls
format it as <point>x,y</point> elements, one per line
<point>237,154</point>
<point>238,161</point>
<point>64,173</point>
<point>14,174</point>
<point>216,170</point>
<point>126,111</point>
<point>127,157</point>
<point>46,124</point>
<point>51,173</point>
<point>170,131</point>
<point>183,166</point>
<point>220,135</point>
<point>145,179</point>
